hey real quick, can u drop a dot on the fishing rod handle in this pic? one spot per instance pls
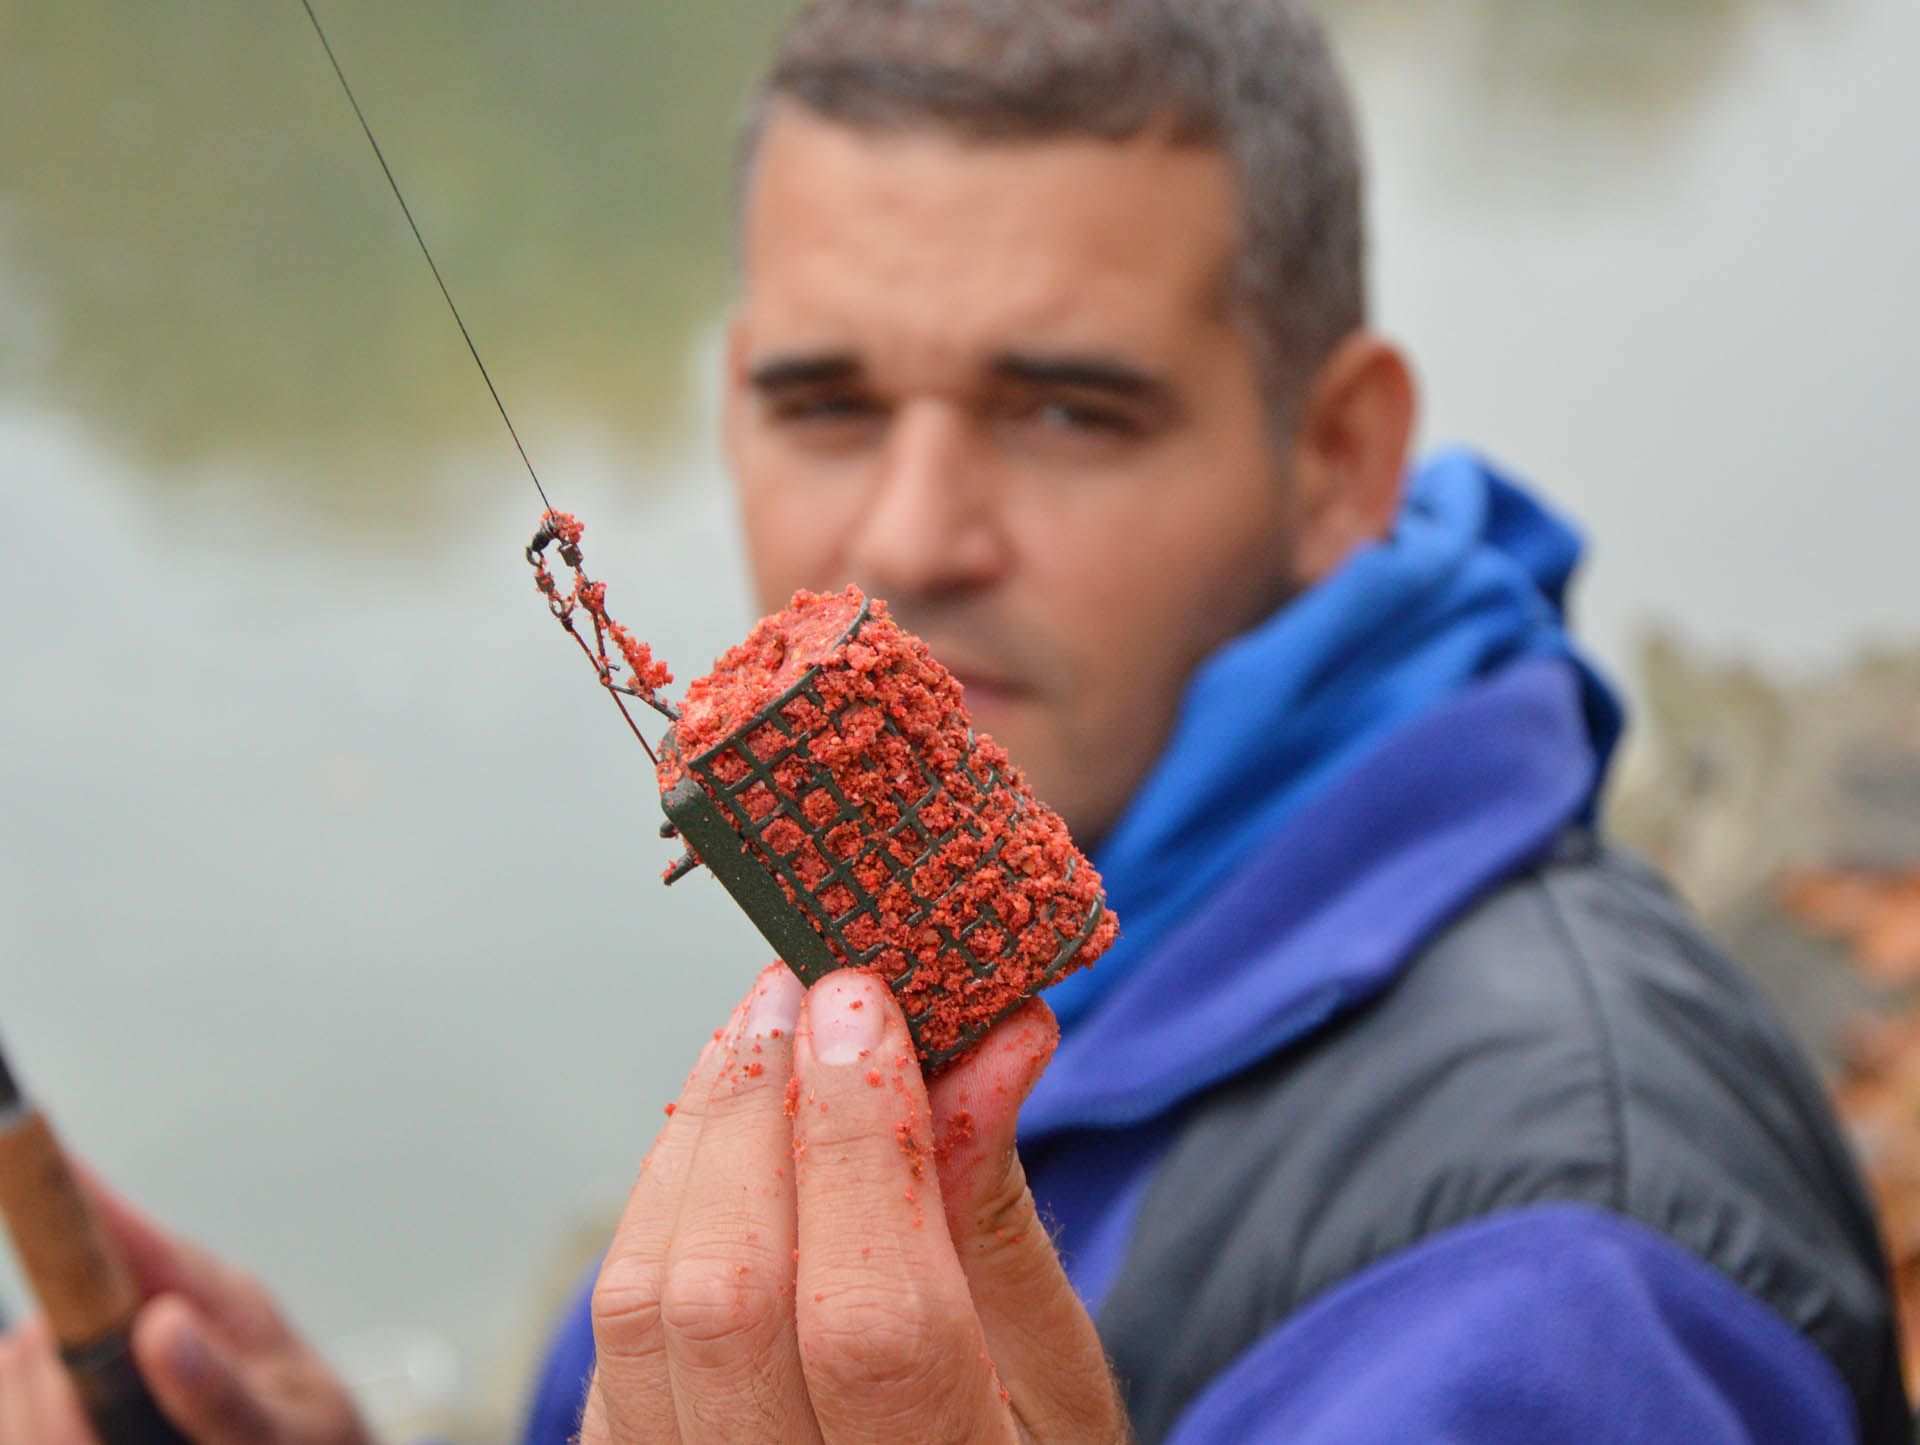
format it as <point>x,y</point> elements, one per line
<point>80,1279</point>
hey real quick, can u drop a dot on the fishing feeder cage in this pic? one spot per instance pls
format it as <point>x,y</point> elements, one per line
<point>832,882</point>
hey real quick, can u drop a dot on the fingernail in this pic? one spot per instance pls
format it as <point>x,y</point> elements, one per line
<point>774,1006</point>
<point>847,1016</point>
<point>189,1357</point>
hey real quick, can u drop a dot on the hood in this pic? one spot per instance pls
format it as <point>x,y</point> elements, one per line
<point>1339,782</point>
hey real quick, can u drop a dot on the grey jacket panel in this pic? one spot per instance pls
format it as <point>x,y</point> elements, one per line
<point>1574,1038</point>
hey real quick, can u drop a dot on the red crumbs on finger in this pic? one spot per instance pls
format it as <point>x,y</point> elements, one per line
<point>873,1078</point>
<point>756,1069</point>
<point>793,1096</point>
<point>956,1135</point>
<point>911,1146</point>
<point>670,1108</point>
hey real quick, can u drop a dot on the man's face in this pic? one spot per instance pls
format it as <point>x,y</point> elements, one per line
<point>1000,386</point>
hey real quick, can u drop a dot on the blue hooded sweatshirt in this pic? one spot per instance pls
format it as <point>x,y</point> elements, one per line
<point>1393,744</point>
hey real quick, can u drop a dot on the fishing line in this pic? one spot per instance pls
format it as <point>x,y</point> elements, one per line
<point>407,211</point>
<point>550,523</point>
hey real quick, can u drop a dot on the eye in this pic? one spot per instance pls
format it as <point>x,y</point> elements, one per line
<point>827,422</point>
<point>1066,427</point>
<point>1071,416</point>
<point>825,407</point>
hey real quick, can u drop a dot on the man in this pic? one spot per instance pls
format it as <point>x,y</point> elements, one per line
<point>1404,1110</point>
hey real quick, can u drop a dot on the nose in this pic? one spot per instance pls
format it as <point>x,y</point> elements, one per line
<point>929,528</point>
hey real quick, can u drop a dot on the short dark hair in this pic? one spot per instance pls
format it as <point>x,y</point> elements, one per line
<point>1255,78</point>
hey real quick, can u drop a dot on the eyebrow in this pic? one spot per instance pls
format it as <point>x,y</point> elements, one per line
<point>779,373</point>
<point>1088,373</point>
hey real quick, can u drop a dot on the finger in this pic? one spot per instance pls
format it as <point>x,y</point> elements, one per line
<point>49,1403</point>
<point>727,1297</point>
<point>594,1429</point>
<point>194,1378</point>
<point>1038,1332</point>
<point>888,1337</point>
<point>160,1263</point>
<point>631,1397</point>
<point>16,1413</point>
<point>164,1263</point>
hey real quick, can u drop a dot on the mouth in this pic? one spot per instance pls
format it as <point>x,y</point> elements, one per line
<point>992,678</point>
<point>987,689</point>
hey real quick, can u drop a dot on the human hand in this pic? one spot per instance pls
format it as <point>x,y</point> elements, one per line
<point>216,1355</point>
<point>818,1250</point>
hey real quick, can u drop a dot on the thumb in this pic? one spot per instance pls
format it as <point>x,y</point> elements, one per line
<point>194,1377</point>
<point>1039,1335</point>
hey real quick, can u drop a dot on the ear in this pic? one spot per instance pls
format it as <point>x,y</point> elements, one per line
<point>1350,453</point>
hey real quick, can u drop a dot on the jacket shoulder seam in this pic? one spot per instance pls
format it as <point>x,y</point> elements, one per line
<point>1585,976</point>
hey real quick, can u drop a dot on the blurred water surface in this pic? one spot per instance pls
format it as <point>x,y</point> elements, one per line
<point>330,922</point>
